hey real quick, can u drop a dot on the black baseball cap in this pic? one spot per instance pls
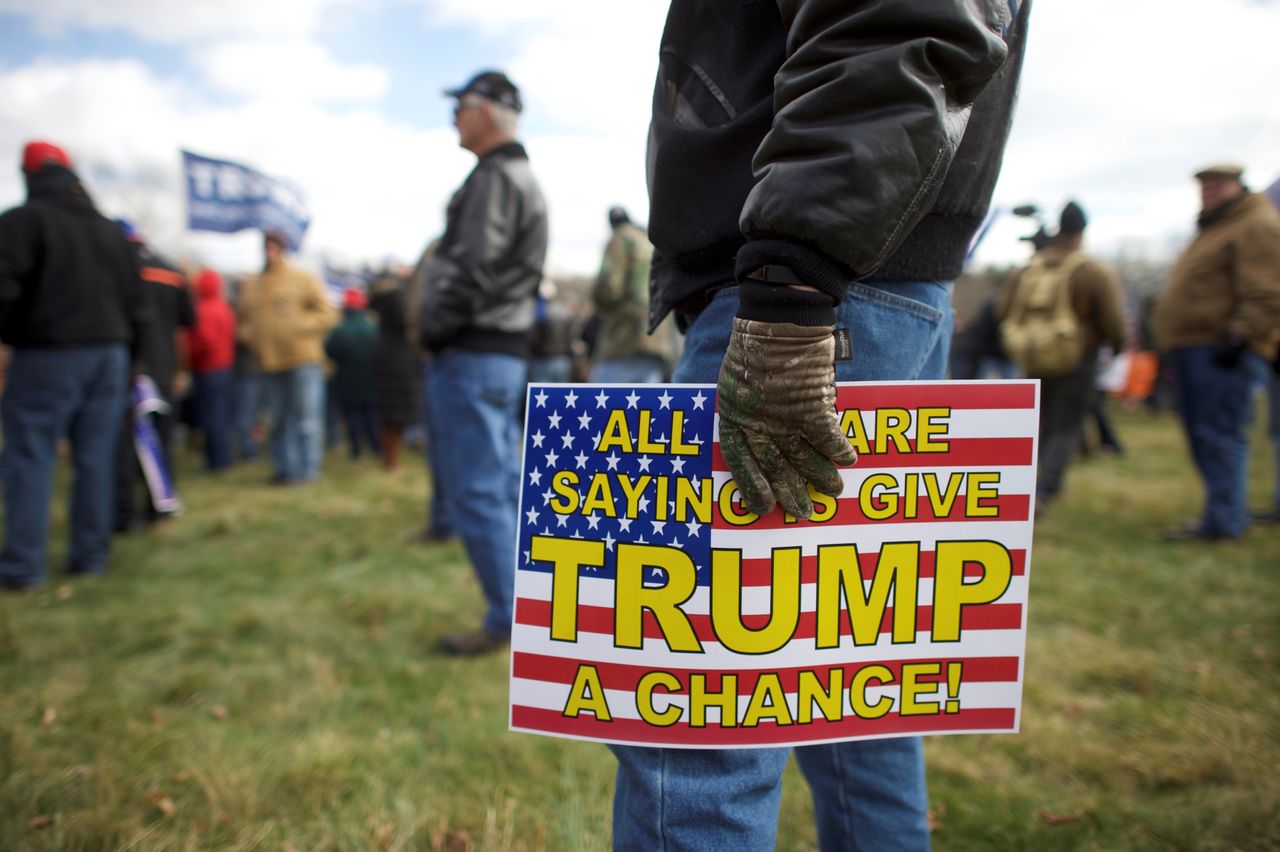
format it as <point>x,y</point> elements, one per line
<point>493,86</point>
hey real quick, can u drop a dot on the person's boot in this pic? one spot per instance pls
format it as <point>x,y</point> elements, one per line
<point>473,643</point>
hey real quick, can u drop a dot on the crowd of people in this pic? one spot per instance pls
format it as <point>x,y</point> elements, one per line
<point>770,239</point>
<point>1215,327</point>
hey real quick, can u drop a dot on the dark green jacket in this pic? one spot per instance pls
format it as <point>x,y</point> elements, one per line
<point>350,348</point>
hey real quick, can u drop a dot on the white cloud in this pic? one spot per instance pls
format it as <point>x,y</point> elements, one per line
<point>581,179</point>
<point>182,21</point>
<point>1121,102</point>
<point>591,76</point>
<point>376,188</point>
<point>577,65</point>
<point>287,70</point>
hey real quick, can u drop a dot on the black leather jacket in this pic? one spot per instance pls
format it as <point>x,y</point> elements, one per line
<point>836,138</point>
<point>481,282</point>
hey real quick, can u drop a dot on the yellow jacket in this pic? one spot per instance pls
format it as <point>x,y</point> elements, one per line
<point>283,316</point>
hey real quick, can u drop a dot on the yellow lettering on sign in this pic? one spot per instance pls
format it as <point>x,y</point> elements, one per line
<point>725,700</point>
<point>566,557</point>
<point>858,692</point>
<point>599,497</point>
<point>565,483</point>
<point>644,699</point>
<point>810,693</point>
<point>616,434</point>
<point>897,572</point>
<point>951,594</point>
<point>587,695</point>
<point>632,597</point>
<point>768,701</point>
<point>726,602</point>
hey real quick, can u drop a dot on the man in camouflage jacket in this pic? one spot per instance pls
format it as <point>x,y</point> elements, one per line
<point>624,351</point>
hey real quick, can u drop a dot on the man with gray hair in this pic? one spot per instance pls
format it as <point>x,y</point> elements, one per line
<point>476,311</point>
<point>1218,321</point>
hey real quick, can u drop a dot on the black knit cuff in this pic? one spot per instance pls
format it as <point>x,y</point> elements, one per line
<point>809,266</point>
<point>779,303</point>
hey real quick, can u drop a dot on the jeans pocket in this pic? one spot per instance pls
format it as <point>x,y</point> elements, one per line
<point>900,331</point>
<point>493,380</point>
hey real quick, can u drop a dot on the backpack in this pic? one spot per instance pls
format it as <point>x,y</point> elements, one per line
<point>1041,332</point>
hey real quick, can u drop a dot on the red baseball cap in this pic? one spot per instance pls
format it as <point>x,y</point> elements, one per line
<point>37,153</point>
<point>353,300</point>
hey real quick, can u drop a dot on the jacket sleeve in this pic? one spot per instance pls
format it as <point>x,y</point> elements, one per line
<point>460,278</point>
<point>870,106</point>
<point>1257,279</point>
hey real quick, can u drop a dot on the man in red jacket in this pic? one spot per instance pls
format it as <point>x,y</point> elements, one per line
<point>212,346</point>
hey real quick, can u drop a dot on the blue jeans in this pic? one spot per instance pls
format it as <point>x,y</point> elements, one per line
<point>247,404</point>
<point>550,369</point>
<point>79,392</point>
<point>436,420</point>
<point>362,426</point>
<point>637,370</point>
<point>478,395</point>
<point>295,399</point>
<point>1216,405</point>
<point>213,413</point>
<point>1273,411</point>
<point>867,794</point>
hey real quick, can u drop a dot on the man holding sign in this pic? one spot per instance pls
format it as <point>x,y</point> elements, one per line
<point>817,170</point>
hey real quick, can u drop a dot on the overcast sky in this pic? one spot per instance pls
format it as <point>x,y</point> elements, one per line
<point>1121,101</point>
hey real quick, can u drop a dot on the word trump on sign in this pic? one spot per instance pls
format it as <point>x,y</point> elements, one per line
<point>653,608</point>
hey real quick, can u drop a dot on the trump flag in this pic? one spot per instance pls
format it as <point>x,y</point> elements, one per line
<point>652,608</point>
<point>227,197</point>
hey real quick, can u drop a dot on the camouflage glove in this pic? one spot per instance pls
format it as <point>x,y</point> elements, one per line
<point>778,425</point>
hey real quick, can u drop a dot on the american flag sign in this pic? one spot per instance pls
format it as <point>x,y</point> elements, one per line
<point>652,608</point>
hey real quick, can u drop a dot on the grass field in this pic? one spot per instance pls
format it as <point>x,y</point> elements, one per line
<point>261,674</point>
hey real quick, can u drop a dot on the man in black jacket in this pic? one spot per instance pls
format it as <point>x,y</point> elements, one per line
<point>71,304</point>
<point>817,169</point>
<point>476,311</point>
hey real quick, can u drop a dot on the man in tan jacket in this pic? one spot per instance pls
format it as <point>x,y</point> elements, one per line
<point>283,317</point>
<point>1218,319</point>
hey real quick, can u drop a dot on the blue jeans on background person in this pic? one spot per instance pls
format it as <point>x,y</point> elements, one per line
<point>867,794</point>
<point>550,369</point>
<point>361,420</point>
<point>440,523</point>
<point>1273,430</point>
<point>79,392</point>
<point>247,403</point>
<point>1216,407</point>
<point>295,399</point>
<point>480,394</point>
<point>636,370</point>
<point>213,414</point>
